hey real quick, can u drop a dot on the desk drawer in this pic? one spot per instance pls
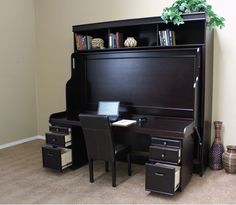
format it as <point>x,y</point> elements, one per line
<point>165,154</point>
<point>165,142</point>
<point>162,178</point>
<point>58,139</point>
<point>56,157</point>
<point>58,129</point>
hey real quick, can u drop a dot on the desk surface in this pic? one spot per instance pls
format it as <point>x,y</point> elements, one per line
<point>174,127</point>
<point>166,126</point>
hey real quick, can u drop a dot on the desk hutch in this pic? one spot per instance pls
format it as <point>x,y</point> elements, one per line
<point>169,85</point>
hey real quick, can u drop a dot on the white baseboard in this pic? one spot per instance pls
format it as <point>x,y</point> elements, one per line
<point>22,141</point>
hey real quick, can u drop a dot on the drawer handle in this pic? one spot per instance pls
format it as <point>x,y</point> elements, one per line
<point>163,155</point>
<point>50,155</point>
<point>54,140</point>
<point>159,174</point>
<point>164,143</point>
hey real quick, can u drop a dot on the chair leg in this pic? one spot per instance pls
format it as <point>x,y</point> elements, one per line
<point>107,166</point>
<point>91,170</point>
<point>113,168</point>
<point>129,164</point>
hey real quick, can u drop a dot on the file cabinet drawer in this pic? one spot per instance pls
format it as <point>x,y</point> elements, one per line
<point>56,157</point>
<point>58,129</point>
<point>58,139</point>
<point>165,154</point>
<point>165,142</point>
<point>162,178</point>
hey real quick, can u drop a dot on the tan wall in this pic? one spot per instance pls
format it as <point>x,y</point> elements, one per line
<point>17,70</point>
<point>55,19</point>
<point>224,97</point>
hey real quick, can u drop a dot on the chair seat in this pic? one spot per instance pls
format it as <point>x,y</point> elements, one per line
<point>119,148</point>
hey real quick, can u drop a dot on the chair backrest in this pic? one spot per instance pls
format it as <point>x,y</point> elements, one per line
<point>98,136</point>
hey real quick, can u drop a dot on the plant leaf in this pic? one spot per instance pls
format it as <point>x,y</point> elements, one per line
<point>173,13</point>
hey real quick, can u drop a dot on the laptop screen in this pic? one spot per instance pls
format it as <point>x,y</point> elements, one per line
<point>109,108</point>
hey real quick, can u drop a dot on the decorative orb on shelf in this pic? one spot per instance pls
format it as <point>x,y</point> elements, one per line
<point>130,42</point>
<point>97,43</point>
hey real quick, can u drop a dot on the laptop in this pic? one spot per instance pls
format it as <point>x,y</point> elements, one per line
<point>110,109</point>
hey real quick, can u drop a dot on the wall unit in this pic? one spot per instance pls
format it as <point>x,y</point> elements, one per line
<point>173,82</point>
<point>193,35</point>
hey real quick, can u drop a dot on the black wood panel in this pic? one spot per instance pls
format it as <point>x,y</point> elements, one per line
<point>145,82</point>
<point>133,22</point>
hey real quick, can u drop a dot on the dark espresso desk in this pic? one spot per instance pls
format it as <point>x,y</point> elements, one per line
<point>165,141</point>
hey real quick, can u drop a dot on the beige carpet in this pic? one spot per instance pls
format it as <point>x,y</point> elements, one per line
<point>23,180</point>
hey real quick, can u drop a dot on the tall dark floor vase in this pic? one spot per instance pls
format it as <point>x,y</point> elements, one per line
<point>217,149</point>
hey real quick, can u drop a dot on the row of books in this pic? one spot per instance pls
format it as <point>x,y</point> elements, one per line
<point>115,40</point>
<point>167,38</point>
<point>83,42</point>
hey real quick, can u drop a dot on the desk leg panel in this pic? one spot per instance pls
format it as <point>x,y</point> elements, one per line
<point>187,161</point>
<point>139,145</point>
<point>79,152</point>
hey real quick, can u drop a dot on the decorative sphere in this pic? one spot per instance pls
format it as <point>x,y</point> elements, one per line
<point>130,42</point>
<point>97,43</point>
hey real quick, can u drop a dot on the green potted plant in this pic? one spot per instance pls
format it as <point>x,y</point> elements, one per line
<point>174,13</point>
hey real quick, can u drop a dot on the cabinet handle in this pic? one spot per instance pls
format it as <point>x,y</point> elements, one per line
<point>159,174</point>
<point>73,63</point>
<point>163,155</point>
<point>50,155</point>
<point>195,83</point>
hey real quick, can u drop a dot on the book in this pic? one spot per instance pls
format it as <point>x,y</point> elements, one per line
<point>124,123</point>
<point>167,38</point>
<point>119,39</point>
<point>88,42</point>
<point>83,42</point>
<point>112,40</point>
<point>110,44</point>
<point>173,38</point>
<point>78,40</point>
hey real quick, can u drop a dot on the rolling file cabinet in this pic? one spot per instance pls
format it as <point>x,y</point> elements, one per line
<point>65,145</point>
<point>57,153</point>
<point>170,164</point>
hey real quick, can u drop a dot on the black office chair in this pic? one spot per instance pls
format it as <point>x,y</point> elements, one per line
<point>99,143</point>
